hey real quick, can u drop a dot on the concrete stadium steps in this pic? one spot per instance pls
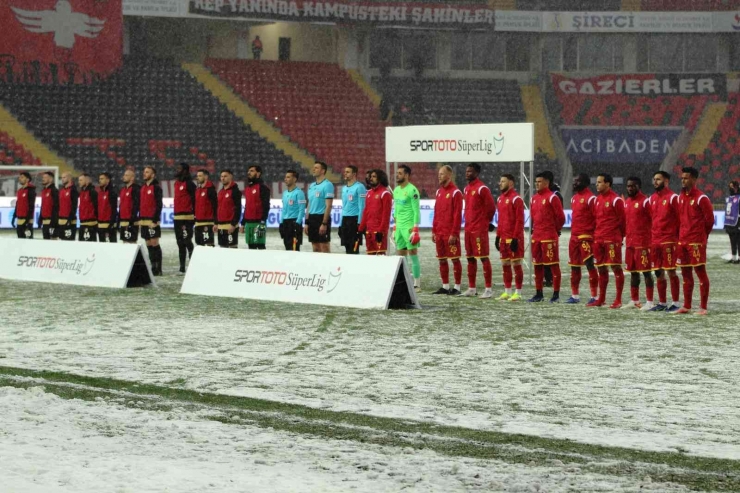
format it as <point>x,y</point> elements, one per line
<point>535,109</point>
<point>371,93</point>
<point>250,116</point>
<point>42,155</point>
<point>706,128</point>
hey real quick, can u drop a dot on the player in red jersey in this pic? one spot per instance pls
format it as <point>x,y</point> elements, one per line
<point>49,217</point>
<point>150,214</point>
<point>581,244</point>
<point>25,207</point>
<point>107,210</point>
<point>665,214</point>
<point>697,221</point>
<point>88,209</point>
<point>448,207</point>
<point>510,237</point>
<point>638,224</point>
<point>547,216</point>
<point>479,211</point>
<point>376,216</point>
<point>610,226</point>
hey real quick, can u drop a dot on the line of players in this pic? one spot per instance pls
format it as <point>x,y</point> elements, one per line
<point>662,232</point>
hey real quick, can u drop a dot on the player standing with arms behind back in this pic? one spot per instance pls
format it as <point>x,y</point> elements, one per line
<point>184,214</point>
<point>581,244</point>
<point>150,212</point>
<point>128,209</point>
<point>294,212</point>
<point>610,226</point>
<point>696,223</point>
<point>229,211</point>
<point>376,216</point>
<point>407,216</point>
<point>206,205</point>
<point>25,207</point>
<point>107,210</point>
<point>88,209</point>
<point>510,237</point>
<point>638,224</point>
<point>665,216</point>
<point>68,199</point>
<point>446,225</point>
<point>479,211</point>
<point>49,217</point>
<point>256,209</point>
<point>353,202</point>
<point>547,216</point>
<point>320,197</point>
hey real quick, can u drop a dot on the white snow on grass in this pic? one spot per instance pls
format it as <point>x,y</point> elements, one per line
<point>51,444</point>
<point>632,379</point>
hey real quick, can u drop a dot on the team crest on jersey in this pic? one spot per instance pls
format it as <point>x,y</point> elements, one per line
<point>447,196</point>
<point>664,202</point>
<point>543,201</point>
<point>182,187</point>
<point>350,197</point>
<point>692,202</point>
<point>606,205</point>
<point>637,206</point>
<point>202,194</point>
<point>254,191</point>
<point>226,196</point>
<point>290,202</point>
<point>582,200</point>
<point>507,201</point>
<point>149,192</point>
<point>377,197</point>
<point>473,193</point>
<point>317,194</point>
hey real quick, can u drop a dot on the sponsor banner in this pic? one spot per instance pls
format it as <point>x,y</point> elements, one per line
<point>483,143</point>
<point>156,8</point>
<point>642,85</point>
<point>276,207</point>
<point>85,35</point>
<point>305,277</point>
<point>726,22</point>
<point>348,12</point>
<point>626,22</point>
<point>105,265</point>
<point>518,21</point>
<point>643,145</point>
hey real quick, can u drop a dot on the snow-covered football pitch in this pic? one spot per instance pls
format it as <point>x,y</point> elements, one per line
<point>148,390</point>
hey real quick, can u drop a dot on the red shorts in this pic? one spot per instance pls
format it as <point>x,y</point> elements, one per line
<point>637,259</point>
<point>505,249</point>
<point>372,246</point>
<point>580,250</point>
<point>476,245</point>
<point>691,254</point>
<point>664,256</point>
<point>607,253</point>
<point>545,252</point>
<point>444,250</point>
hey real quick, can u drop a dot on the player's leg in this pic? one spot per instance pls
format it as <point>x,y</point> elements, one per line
<point>101,235</point>
<point>442,248</point>
<point>507,275</point>
<point>632,268</point>
<point>701,274</point>
<point>687,274</point>
<point>413,255</point>
<point>593,278</point>
<point>576,262</point>
<point>603,273</point>
<point>472,277</point>
<point>649,290</point>
<point>189,227</point>
<point>557,278</point>
<point>735,244</point>
<point>518,279</point>
<point>539,271</point>
<point>619,283</point>
<point>181,238</point>
<point>112,234</point>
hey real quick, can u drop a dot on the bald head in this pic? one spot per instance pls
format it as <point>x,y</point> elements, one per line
<point>67,178</point>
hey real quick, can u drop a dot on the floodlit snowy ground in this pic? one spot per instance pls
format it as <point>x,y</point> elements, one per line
<point>649,382</point>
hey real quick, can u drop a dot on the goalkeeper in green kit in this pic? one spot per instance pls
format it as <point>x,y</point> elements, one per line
<point>407,214</point>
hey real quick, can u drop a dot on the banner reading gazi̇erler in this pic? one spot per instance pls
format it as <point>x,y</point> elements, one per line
<point>346,12</point>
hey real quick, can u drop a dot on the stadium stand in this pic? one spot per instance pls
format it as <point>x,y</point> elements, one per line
<point>316,105</point>
<point>149,113</point>
<point>690,5</point>
<point>720,160</point>
<point>12,153</point>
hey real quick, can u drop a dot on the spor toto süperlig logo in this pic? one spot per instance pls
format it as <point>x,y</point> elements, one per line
<point>495,145</point>
<point>77,266</point>
<point>292,280</point>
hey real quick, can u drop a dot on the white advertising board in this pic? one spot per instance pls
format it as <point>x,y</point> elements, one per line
<point>627,22</point>
<point>105,265</point>
<point>356,281</point>
<point>483,143</point>
<point>156,8</point>
<point>726,21</point>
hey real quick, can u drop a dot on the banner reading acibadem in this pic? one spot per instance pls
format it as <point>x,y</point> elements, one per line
<point>645,145</point>
<point>347,12</point>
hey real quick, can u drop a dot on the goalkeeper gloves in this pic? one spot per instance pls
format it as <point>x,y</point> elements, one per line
<point>514,245</point>
<point>378,237</point>
<point>260,230</point>
<point>497,243</point>
<point>415,237</point>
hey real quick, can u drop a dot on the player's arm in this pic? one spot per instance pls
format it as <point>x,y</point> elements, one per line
<point>236,196</point>
<point>457,212</point>
<point>113,201</point>
<point>31,205</point>
<point>326,221</point>
<point>519,216</point>
<point>213,199</point>
<point>158,202</point>
<point>74,197</point>
<point>94,199</point>
<point>301,208</point>
<point>192,189</point>
<point>489,205</point>
<point>285,207</point>
<point>708,212</point>
<point>387,205</point>
<point>416,207</point>
<point>621,216</point>
<point>54,207</point>
<point>135,198</point>
<point>265,199</point>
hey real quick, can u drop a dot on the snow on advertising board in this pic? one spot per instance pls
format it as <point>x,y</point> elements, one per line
<point>356,281</point>
<point>105,265</point>
<point>643,145</point>
<point>483,143</point>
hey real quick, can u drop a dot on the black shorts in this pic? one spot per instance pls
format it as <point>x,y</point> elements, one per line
<point>348,230</point>
<point>204,235</point>
<point>184,230</point>
<point>228,240</point>
<point>108,235</point>
<point>88,233</point>
<point>149,233</point>
<point>25,231</point>
<point>289,230</point>
<point>129,234</point>
<point>68,232</point>
<point>314,223</point>
<point>48,232</point>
